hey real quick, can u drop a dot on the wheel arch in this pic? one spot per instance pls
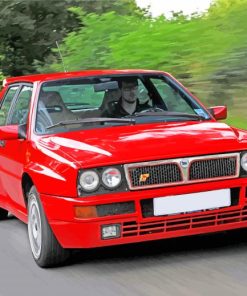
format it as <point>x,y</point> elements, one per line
<point>27,184</point>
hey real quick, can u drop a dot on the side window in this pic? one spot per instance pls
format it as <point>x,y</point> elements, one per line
<point>5,107</point>
<point>21,108</point>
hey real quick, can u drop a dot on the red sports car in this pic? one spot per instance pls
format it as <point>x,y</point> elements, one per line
<point>100,158</point>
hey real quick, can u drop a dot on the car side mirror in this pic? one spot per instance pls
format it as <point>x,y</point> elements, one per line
<point>12,132</point>
<point>218,112</point>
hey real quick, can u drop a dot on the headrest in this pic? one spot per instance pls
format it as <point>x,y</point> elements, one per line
<point>110,96</point>
<point>51,98</point>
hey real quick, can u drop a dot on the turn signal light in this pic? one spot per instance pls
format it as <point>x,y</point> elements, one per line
<point>117,208</point>
<point>86,212</point>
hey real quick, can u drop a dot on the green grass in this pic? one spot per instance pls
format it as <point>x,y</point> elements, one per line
<point>236,121</point>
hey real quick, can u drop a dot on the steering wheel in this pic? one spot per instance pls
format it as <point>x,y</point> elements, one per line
<point>152,109</point>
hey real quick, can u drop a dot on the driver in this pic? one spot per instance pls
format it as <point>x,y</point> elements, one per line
<point>128,103</point>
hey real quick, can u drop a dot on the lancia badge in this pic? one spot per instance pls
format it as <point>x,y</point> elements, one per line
<point>184,163</point>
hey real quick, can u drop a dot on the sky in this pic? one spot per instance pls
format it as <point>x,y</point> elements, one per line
<point>165,6</point>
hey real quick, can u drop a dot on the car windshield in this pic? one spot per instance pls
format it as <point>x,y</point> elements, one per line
<point>84,103</point>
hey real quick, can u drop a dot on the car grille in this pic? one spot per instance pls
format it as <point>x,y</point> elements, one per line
<point>160,174</point>
<point>212,168</point>
<point>182,171</point>
<point>133,228</point>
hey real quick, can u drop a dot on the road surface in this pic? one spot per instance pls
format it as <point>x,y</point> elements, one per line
<point>200,265</point>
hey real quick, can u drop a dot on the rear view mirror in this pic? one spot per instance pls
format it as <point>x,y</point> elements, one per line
<point>106,86</point>
<point>9,132</point>
<point>13,132</point>
<point>218,112</point>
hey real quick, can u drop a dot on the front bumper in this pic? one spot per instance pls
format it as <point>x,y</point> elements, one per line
<point>72,232</point>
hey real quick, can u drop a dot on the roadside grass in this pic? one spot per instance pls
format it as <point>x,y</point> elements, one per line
<point>237,114</point>
<point>237,121</point>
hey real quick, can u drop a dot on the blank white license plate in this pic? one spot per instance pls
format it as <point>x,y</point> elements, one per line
<point>192,202</point>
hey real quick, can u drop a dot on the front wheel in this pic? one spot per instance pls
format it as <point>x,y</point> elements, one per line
<point>46,250</point>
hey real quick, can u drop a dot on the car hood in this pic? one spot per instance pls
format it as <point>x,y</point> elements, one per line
<point>126,144</point>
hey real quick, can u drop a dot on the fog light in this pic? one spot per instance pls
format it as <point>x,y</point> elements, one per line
<point>110,231</point>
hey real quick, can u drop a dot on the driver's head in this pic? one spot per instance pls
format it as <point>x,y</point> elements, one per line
<point>129,90</point>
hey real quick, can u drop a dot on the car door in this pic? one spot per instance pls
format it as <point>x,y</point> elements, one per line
<point>10,94</point>
<point>13,152</point>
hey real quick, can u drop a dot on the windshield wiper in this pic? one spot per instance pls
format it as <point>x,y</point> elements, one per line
<point>168,113</point>
<point>93,119</point>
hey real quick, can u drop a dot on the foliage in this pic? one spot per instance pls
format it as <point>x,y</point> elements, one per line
<point>121,7</point>
<point>29,29</point>
<point>239,122</point>
<point>90,47</point>
<point>208,52</point>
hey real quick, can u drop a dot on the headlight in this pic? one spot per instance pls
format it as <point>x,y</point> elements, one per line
<point>111,178</point>
<point>89,181</point>
<point>244,162</point>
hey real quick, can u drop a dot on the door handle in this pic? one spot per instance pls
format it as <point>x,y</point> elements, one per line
<point>2,143</point>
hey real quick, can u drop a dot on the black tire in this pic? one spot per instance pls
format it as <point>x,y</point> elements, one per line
<point>46,250</point>
<point>3,214</point>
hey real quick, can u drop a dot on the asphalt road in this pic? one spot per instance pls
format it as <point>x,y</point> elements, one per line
<point>200,265</point>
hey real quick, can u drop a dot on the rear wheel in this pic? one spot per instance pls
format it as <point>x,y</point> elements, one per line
<point>3,214</point>
<point>46,250</point>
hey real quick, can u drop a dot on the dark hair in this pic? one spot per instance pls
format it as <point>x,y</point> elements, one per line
<point>129,80</point>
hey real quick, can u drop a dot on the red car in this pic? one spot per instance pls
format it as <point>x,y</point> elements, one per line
<point>99,158</point>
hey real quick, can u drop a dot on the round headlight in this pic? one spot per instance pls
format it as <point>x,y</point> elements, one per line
<point>89,181</point>
<point>111,178</point>
<point>244,162</point>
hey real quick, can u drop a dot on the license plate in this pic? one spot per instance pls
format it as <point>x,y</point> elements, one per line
<point>192,202</point>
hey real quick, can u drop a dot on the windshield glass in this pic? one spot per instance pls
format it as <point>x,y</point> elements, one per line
<point>66,104</point>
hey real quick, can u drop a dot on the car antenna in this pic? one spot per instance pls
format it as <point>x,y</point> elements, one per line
<point>61,57</point>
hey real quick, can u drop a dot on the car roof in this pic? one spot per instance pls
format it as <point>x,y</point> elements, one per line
<point>62,75</point>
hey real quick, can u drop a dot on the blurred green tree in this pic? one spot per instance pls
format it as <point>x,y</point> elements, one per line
<point>207,52</point>
<point>121,7</point>
<point>90,47</point>
<point>30,28</point>
<point>230,71</point>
